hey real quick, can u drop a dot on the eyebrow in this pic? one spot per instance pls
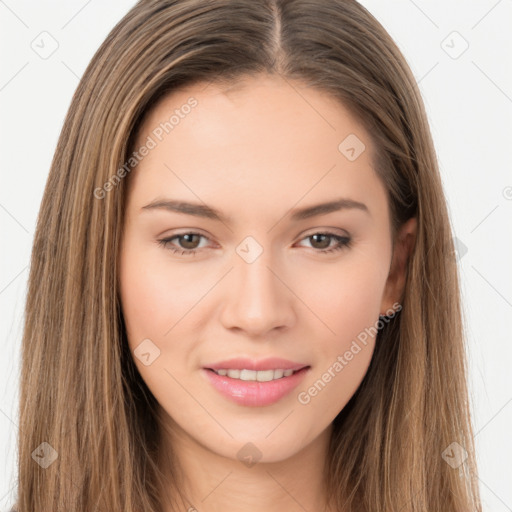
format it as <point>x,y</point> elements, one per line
<point>203,210</point>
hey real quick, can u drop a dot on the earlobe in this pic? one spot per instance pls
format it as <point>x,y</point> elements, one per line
<point>395,284</point>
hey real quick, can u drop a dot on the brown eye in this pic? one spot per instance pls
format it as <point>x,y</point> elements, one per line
<point>191,240</point>
<point>187,245</point>
<point>322,242</point>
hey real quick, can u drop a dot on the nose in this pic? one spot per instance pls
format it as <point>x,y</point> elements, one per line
<point>257,298</point>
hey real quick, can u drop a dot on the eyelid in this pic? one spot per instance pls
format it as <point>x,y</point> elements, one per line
<point>182,232</point>
<point>340,231</point>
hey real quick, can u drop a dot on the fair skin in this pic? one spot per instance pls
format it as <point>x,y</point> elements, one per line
<point>255,153</point>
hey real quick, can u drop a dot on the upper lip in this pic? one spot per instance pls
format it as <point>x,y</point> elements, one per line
<point>271,363</point>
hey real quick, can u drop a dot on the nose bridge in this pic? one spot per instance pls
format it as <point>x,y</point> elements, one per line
<point>258,299</point>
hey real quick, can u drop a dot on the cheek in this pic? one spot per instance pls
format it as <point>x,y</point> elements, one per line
<point>156,291</point>
<point>155,305</point>
<point>347,301</point>
<point>345,297</point>
<point>152,303</point>
<point>144,306</point>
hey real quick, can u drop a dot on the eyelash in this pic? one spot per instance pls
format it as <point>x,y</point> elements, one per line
<point>344,242</point>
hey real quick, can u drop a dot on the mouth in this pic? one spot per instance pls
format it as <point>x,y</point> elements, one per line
<point>256,375</point>
<point>255,388</point>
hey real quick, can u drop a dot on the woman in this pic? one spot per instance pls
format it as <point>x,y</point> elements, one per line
<point>193,347</point>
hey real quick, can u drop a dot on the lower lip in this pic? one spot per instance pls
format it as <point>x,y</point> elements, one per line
<point>254,393</point>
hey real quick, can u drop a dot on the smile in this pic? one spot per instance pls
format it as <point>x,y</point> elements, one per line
<point>252,375</point>
<point>252,388</point>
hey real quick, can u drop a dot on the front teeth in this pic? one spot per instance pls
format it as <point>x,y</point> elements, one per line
<point>260,376</point>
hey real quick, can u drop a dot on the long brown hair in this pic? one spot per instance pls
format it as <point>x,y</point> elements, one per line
<point>80,391</point>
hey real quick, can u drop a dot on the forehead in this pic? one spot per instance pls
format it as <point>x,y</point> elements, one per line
<point>256,105</point>
<point>264,139</point>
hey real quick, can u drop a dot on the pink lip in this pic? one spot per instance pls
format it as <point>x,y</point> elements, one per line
<point>254,393</point>
<point>271,363</point>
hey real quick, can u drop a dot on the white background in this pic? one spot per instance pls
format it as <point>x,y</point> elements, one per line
<point>469,104</point>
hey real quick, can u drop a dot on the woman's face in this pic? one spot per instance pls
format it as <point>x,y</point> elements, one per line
<point>224,257</point>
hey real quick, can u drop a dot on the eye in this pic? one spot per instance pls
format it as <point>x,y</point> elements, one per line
<point>324,240</point>
<point>189,242</point>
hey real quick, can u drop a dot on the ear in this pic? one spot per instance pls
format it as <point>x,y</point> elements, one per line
<point>395,284</point>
